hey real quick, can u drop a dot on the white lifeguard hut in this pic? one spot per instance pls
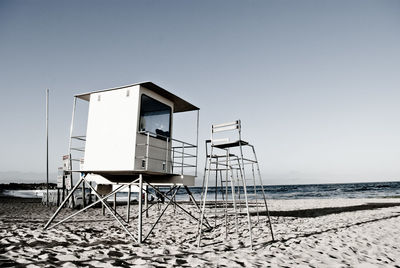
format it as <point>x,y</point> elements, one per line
<point>129,141</point>
<point>129,132</point>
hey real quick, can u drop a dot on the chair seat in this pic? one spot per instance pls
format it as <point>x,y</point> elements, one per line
<point>231,144</point>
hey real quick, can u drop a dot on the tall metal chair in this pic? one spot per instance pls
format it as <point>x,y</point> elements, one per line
<point>230,158</point>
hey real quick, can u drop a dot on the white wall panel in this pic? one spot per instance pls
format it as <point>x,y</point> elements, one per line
<point>111,131</point>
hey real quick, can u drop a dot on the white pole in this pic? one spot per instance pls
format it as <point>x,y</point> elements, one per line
<point>47,147</point>
<point>197,140</point>
<point>69,148</point>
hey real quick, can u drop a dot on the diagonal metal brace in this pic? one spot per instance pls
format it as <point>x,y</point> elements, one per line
<point>195,203</point>
<point>63,203</point>
<point>112,213</point>
<point>89,206</point>
<point>162,213</point>
<point>175,203</point>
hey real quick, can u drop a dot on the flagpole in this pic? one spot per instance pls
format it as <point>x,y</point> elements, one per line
<point>47,147</point>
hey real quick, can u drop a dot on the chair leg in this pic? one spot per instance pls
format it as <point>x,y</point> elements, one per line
<point>263,192</point>
<point>246,197</point>
<point>200,226</point>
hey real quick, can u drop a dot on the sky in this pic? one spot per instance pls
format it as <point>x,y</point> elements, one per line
<point>315,83</point>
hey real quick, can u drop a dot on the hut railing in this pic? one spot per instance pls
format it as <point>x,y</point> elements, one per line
<point>78,146</point>
<point>180,156</point>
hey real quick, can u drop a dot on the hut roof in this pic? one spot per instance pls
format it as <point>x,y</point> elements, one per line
<point>180,105</point>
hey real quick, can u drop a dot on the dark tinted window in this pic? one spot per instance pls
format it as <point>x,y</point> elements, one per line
<point>155,116</point>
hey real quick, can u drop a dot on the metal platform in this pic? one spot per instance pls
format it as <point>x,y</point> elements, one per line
<point>156,178</point>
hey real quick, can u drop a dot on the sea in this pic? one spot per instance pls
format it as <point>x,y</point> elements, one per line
<point>297,191</point>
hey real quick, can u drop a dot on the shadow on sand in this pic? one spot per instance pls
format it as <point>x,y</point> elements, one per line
<point>317,212</point>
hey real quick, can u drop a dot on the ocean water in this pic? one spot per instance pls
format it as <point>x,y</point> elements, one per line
<point>307,191</point>
<point>301,191</point>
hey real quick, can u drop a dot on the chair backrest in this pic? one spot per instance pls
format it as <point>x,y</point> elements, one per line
<point>232,127</point>
<point>226,126</point>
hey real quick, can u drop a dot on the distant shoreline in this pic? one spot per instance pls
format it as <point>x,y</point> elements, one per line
<point>42,185</point>
<point>26,186</point>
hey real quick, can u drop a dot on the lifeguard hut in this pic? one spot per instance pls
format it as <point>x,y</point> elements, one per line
<point>129,142</point>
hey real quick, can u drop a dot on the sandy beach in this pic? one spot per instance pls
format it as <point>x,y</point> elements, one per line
<point>308,233</point>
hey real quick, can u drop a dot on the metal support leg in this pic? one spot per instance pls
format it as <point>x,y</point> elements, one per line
<point>90,194</point>
<point>174,204</point>
<point>233,198</point>
<point>245,194</point>
<point>238,183</point>
<point>63,191</point>
<point>128,206</point>
<point>226,193</point>
<point>140,209</point>
<point>146,203</point>
<point>58,197</point>
<point>255,192</point>
<point>263,192</point>
<point>115,202</point>
<point>83,195</point>
<point>240,180</point>
<point>222,185</point>
<point>200,226</point>
<point>216,195</point>
<point>158,202</point>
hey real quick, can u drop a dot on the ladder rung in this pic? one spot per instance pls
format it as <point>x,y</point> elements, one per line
<point>78,149</point>
<point>82,138</point>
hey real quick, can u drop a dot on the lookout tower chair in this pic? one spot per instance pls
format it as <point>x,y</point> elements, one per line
<point>129,143</point>
<point>234,163</point>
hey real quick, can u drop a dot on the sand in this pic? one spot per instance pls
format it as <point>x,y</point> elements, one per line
<point>349,234</point>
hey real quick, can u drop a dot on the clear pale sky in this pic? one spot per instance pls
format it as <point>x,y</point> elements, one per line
<point>315,83</point>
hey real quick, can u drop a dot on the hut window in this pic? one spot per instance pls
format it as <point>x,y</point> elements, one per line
<point>155,117</point>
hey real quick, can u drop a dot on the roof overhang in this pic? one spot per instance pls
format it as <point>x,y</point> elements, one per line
<point>180,105</point>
